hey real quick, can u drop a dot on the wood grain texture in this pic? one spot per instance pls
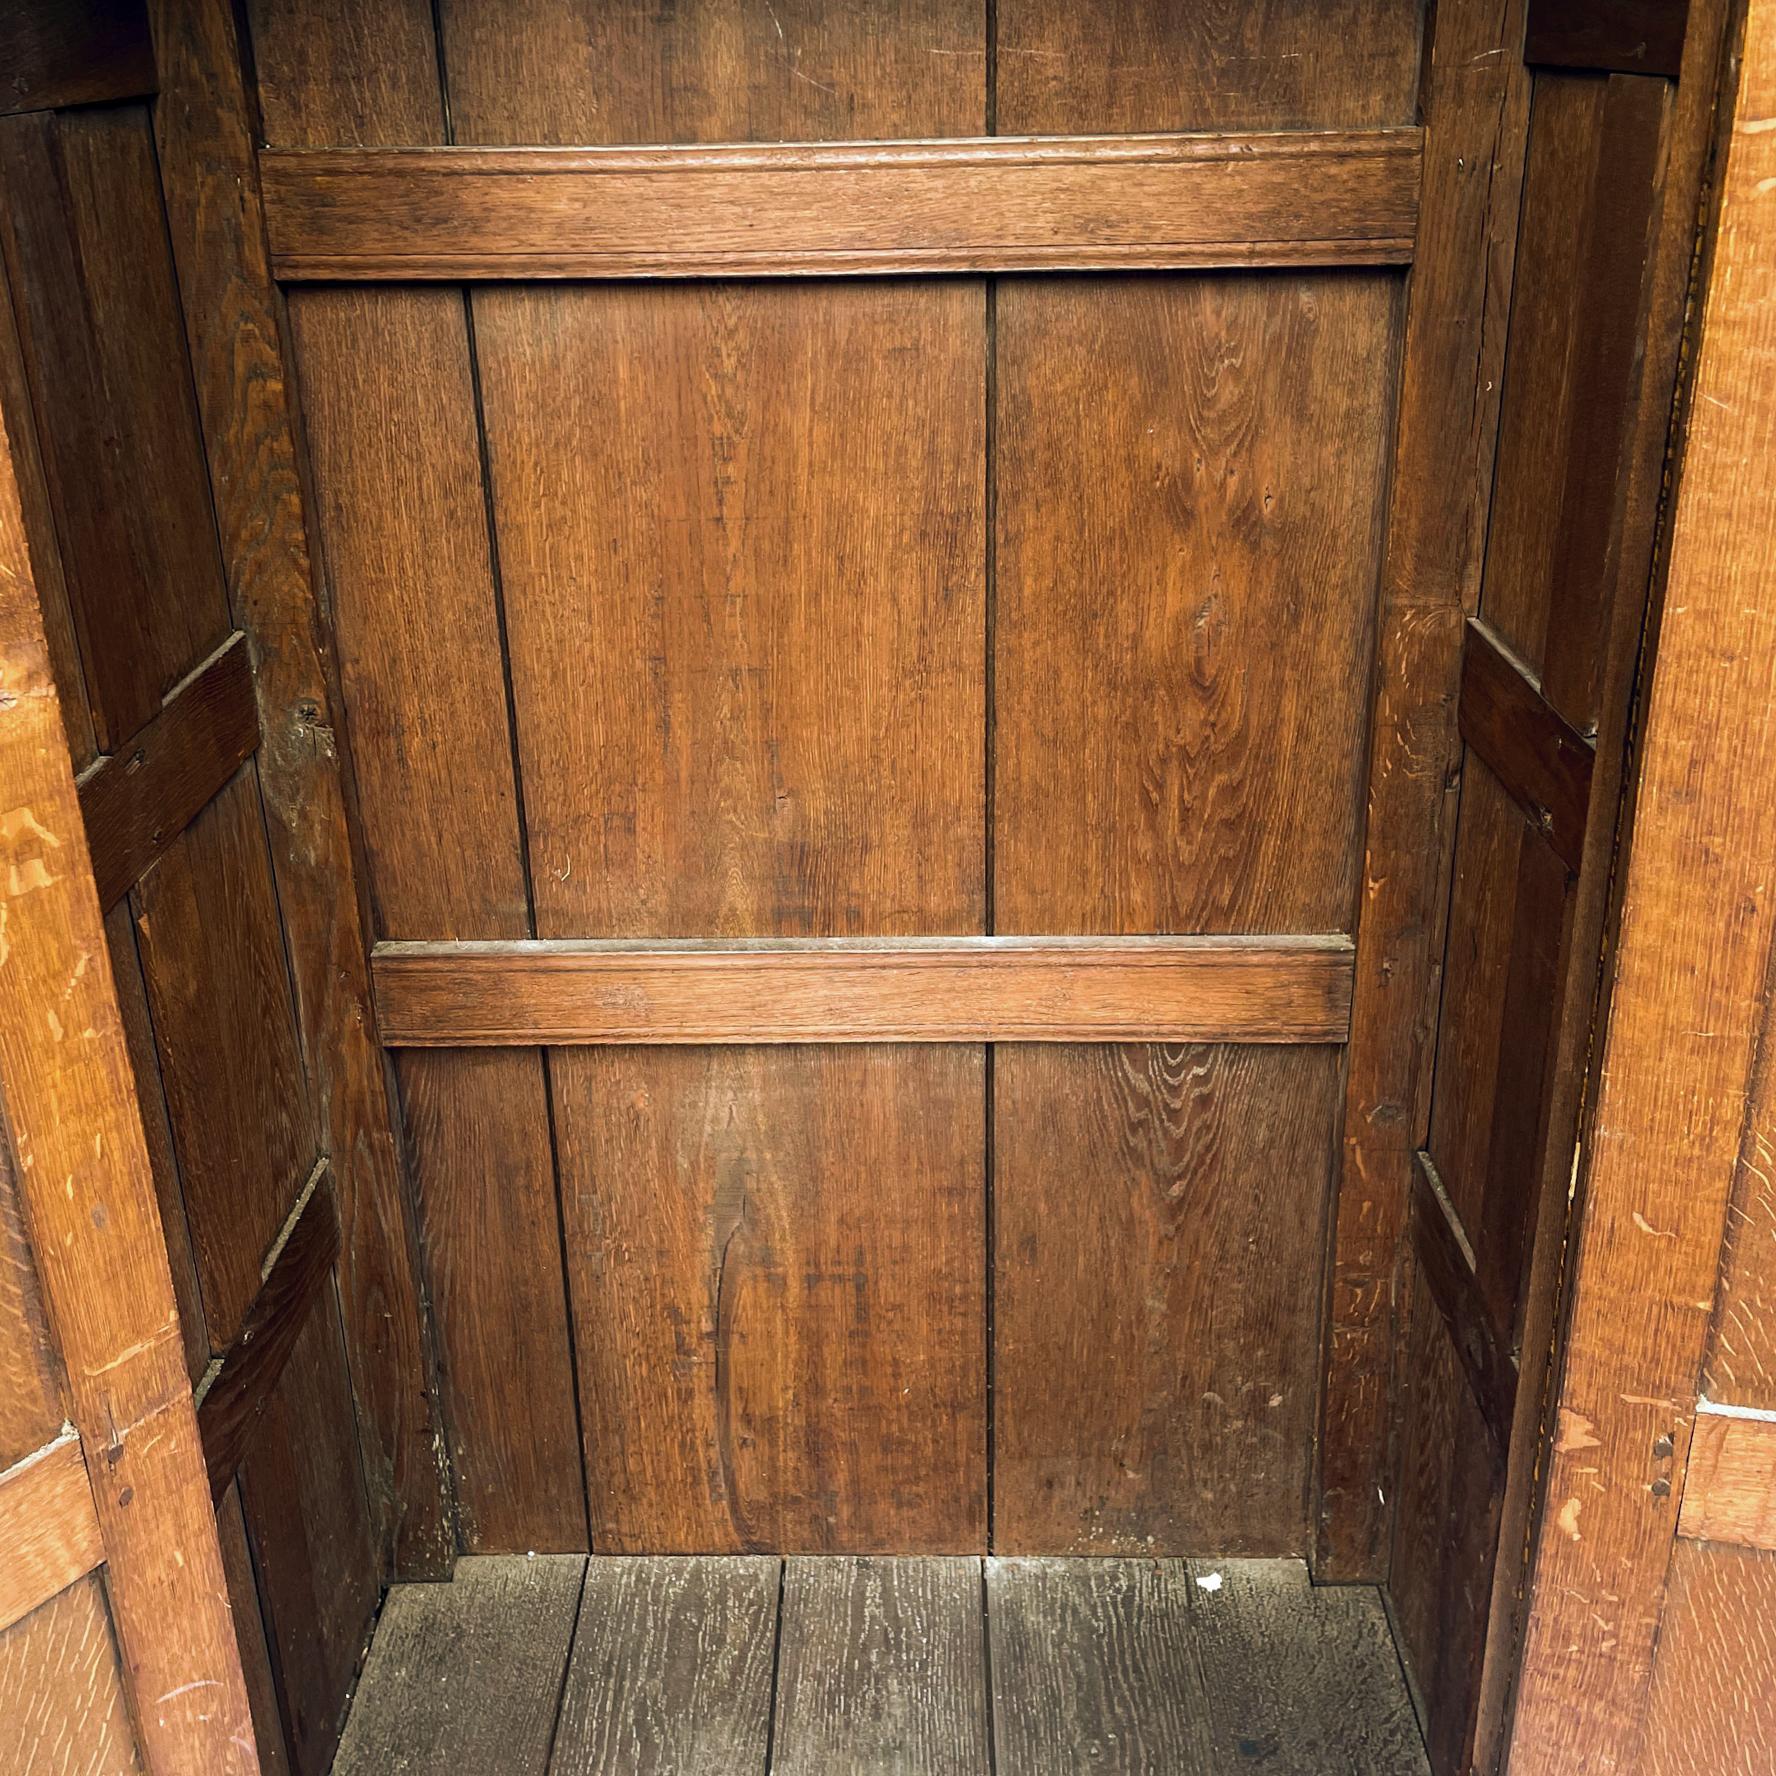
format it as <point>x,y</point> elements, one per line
<point>1730,1486</point>
<point>1155,1354</point>
<point>1691,971</point>
<point>207,926</point>
<point>136,801</point>
<point>1740,1366</point>
<point>249,1625</point>
<point>204,124</point>
<point>587,71</point>
<point>98,310</point>
<point>1095,1667</point>
<point>1620,36</point>
<point>758,513</point>
<point>1189,478</point>
<point>1043,204</point>
<point>1255,64</point>
<point>89,1194</point>
<point>1301,1680</point>
<point>880,1669</point>
<point>32,1406</point>
<point>74,52</point>
<point>466,1676</point>
<point>1710,1707</point>
<point>68,1711</point>
<point>1475,104</point>
<point>778,1268</point>
<point>49,1532</point>
<point>909,990</point>
<point>672,1668</point>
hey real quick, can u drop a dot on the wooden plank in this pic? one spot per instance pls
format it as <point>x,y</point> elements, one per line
<point>239,1388</point>
<point>1069,65</point>
<point>778,1268</point>
<point>1187,470</point>
<point>1691,968</point>
<point>1608,36</point>
<point>1095,1667</point>
<point>1475,104</point>
<point>255,1650</point>
<point>68,1707</point>
<point>89,1194</point>
<point>137,800</point>
<point>1155,1356</point>
<point>98,311</point>
<point>204,133</point>
<point>844,209</point>
<point>881,1669</point>
<point>1446,1262</point>
<point>1729,1490</point>
<point>49,1531</point>
<point>672,1667</point>
<point>74,52</point>
<point>1301,1680</point>
<point>466,1676</point>
<point>1289,990</point>
<point>1544,762</point>
<point>32,1406</point>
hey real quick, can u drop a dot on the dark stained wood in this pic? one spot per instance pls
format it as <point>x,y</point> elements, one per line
<point>249,1624</point>
<point>862,990</point>
<point>1541,759</point>
<point>1612,36</point>
<point>1301,1680</point>
<point>32,1403</point>
<point>797,70</point>
<point>1475,106</point>
<point>137,801</point>
<point>1148,65</point>
<point>672,1668</point>
<point>1446,1263</point>
<point>1730,1487</point>
<point>1189,475</point>
<point>233,1397</point>
<point>74,52</point>
<point>206,922</point>
<point>880,1669</point>
<point>1095,1667</point>
<point>1155,1353</point>
<point>778,1267</point>
<point>68,1709</point>
<point>466,1676</point>
<point>49,1532</point>
<point>98,309</point>
<point>845,209</point>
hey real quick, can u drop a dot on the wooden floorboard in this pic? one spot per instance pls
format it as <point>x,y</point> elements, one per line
<point>465,1678</point>
<point>671,1668</point>
<point>754,1666</point>
<point>881,1669</point>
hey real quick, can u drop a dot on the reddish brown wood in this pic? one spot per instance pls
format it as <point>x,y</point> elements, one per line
<point>74,52</point>
<point>32,1406</point>
<point>1608,36</point>
<point>1729,1490</point>
<point>73,1708</point>
<point>49,1531</point>
<point>1119,202</point>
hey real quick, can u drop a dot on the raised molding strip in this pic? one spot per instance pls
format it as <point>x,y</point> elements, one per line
<point>965,989</point>
<point>1035,203</point>
<point>1729,1490</point>
<point>49,1530</point>
<point>137,800</point>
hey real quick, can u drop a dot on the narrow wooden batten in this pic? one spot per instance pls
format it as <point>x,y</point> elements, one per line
<point>999,204</point>
<point>1210,989</point>
<point>49,1530</point>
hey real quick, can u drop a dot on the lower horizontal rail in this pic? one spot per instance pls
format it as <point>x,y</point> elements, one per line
<point>49,1530</point>
<point>981,989</point>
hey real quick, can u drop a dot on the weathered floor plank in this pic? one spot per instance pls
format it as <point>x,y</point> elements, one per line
<point>881,1669</point>
<point>671,1668</point>
<point>1302,1680</point>
<point>1094,1668</point>
<point>466,1677</point>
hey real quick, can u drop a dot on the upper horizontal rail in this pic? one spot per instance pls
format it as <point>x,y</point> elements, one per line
<point>845,208</point>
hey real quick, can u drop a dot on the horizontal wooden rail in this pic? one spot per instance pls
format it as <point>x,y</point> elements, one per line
<point>1003,204</point>
<point>137,800</point>
<point>1447,1262</point>
<point>1607,36</point>
<point>74,52</point>
<point>240,1383</point>
<point>1544,762</point>
<point>1730,1485</point>
<point>1214,989</point>
<point>49,1530</point>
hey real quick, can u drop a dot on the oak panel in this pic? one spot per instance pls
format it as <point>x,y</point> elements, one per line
<point>1189,477</point>
<point>778,1264</point>
<point>74,52</point>
<point>32,1407</point>
<point>1730,1490</point>
<point>49,1531</point>
<point>66,1707</point>
<point>1155,1351</point>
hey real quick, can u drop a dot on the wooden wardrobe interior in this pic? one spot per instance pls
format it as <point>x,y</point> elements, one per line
<point>855,765</point>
